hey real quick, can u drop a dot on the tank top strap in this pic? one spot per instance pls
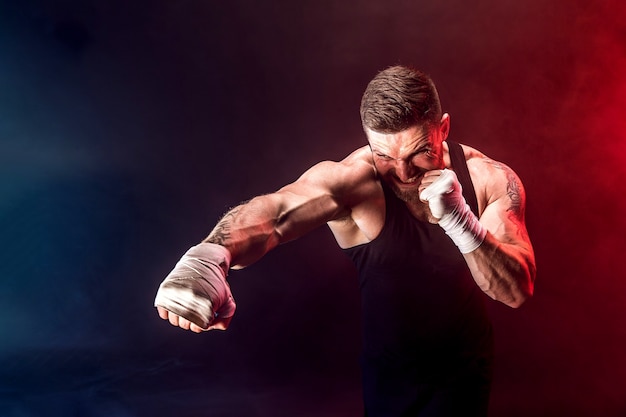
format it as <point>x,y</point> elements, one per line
<point>457,159</point>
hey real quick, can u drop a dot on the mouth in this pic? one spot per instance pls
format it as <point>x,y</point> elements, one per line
<point>411,180</point>
<point>407,183</point>
<point>408,190</point>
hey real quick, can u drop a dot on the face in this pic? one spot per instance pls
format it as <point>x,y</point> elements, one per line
<point>402,158</point>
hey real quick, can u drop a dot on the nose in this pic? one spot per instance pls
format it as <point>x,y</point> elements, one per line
<point>404,170</point>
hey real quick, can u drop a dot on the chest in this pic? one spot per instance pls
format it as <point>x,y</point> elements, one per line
<point>408,242</point>
<point>367,220</point>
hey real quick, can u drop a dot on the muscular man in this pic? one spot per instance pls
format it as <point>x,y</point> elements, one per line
<point>430,224</point>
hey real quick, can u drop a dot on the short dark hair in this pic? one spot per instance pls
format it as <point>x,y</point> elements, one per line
<point>398,98</point>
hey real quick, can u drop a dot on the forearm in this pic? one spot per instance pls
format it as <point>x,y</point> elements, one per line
<point>248,231</point>
<point>503,271</point>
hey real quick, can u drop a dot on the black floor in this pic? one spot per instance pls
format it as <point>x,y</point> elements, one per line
<point>94,384</point>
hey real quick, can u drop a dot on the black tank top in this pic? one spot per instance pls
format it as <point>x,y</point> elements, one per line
<point>422,313</point>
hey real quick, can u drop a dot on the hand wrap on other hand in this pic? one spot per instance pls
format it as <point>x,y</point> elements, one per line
<point>446,202</point>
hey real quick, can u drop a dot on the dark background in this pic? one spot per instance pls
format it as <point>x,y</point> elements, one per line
<point>128,127</point>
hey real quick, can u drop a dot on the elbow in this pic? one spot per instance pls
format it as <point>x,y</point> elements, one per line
<point>519,299</point>
<point>512,285</point>
<point>528,288</point>
<point>513,298</point>
<point>523,293</point>
<point>512,290</point>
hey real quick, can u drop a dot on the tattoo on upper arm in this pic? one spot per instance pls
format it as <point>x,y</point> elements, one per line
<point>514,189</point>
<point>514,192</point>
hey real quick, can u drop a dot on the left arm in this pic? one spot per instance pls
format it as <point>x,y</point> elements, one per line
<point>503,266</point>
<point>496,246</point>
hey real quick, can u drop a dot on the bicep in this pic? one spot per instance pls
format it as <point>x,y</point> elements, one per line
<point>504,213</point>
<point>307,203</point>
<point>504,223</point>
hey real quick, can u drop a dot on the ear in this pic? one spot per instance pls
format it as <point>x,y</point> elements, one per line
<point>444,126</point>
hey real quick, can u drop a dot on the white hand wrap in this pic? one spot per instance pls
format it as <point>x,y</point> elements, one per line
<point>446,202</point>
<point>196,289</point>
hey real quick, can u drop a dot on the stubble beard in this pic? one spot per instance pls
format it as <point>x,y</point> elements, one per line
<point>408,196</point>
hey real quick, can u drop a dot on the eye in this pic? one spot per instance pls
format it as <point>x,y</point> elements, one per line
<point>428,152</point>
<point>418,156</point>
<point>383,156</point>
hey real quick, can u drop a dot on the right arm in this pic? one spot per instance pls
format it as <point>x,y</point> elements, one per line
<point>252,229</point>
<point>327,191</point>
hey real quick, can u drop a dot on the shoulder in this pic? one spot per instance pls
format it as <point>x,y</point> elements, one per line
<point>348,181</point>
<point>354,171</point>
<point>493,180</point>
<point>358,163</point>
